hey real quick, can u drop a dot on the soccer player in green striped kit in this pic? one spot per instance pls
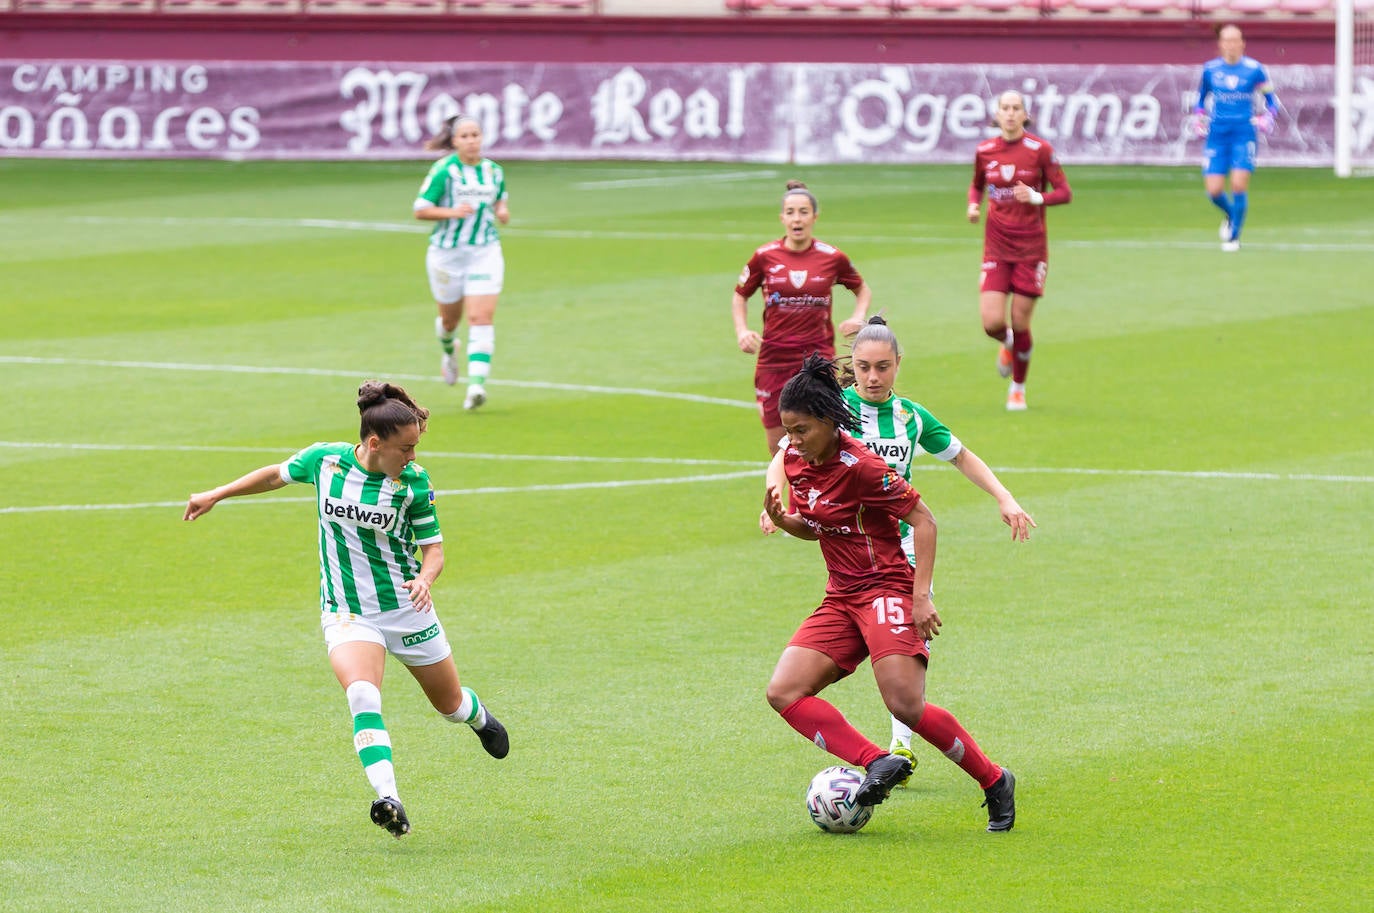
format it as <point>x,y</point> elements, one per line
<point>464,194</point>
<point>899,430</point>
<point>376,506</point>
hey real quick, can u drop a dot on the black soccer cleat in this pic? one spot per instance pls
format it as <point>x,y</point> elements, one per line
<point>883,774</point>
<point>494,738</point>
<point>389,814</point>
<point>1001,802</point>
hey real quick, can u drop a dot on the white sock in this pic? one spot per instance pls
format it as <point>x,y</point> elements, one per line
<point>370,738</point>
<point>901,733</point>
<point>470,711</point>
<point>481,344</point>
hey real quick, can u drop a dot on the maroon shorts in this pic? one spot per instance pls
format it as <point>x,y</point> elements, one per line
<point>768,386</point>
<point>848,628</point>
<point>1019,278</point>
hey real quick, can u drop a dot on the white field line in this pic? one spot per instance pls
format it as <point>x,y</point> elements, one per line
<point>332,372</point>
<point>755,470</point>
<point>411,228</point>
<point>443,492</point>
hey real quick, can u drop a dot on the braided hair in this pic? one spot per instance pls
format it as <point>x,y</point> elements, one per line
<point>815,391</point>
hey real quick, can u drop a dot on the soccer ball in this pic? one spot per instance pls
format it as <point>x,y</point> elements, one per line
<point>831,801</point>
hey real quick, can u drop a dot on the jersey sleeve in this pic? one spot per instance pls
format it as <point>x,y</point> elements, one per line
<point>1204,88</point>
<point>432,190</point>
<point>501,192</point>
<point>422,515</point>
<point>980,179</point>
<point>935,439</point>
<point>751,277</point>
<point>304,466</point>
<point>1054,177</point>
<point>845,273</point>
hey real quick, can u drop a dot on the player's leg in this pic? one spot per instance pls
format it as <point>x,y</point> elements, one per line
<point>1214,170</point>
<point>439,681</point>
<point>994,285</point>
<point>485,279</point>
<point>358,658</point>
<point>1240,197</point>
<point>446,285</point>
<point>902,681</point>
<point>419,642</point>
<point>1022,307</point>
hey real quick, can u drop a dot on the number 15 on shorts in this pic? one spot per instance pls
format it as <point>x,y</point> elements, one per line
<point>889,611</point>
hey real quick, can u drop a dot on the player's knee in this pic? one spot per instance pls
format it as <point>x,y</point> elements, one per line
<point>907,709</point>
<point>781,695</point>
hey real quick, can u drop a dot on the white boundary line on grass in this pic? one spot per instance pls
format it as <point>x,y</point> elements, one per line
<point>355,225</point>
<point>333,372</point>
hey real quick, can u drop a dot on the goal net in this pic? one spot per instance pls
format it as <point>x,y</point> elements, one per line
<point>1354,88</point>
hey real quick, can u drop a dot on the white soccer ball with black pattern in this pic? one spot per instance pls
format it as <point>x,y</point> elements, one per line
<point>832,801</point>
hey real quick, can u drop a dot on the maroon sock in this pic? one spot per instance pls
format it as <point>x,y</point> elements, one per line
<point>941,729</point>
<point>1021,352</point>
<point>823,724</point>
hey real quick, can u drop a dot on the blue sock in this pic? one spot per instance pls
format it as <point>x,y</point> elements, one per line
<point>1238,207</point>
<point>1220,202</point>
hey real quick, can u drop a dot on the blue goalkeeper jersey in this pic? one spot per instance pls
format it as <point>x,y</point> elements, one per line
<point>1232,87</point>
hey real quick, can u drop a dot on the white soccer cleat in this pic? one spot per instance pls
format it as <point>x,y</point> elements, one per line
<point>1230,247</point>
<point>1224,232</point>
<point>448,369</point>
<point>1016,401</point>
<point>1004,359</point>
<point>477,395</point>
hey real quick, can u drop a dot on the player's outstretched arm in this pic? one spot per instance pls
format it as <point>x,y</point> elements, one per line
<point>268,478</point>
<point>980,474</point>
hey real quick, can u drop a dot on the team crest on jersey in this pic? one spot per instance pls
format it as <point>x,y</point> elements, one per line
<point>1231,80</point>
<point>798,277</point>
<point>1008,172</point>
<point>899,414</point>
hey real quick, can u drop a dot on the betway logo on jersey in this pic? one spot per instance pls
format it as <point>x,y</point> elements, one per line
<point>890,450</point>
<point>342,510</point>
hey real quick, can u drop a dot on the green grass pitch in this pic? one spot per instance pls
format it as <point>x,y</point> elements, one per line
<point>1179,666</point>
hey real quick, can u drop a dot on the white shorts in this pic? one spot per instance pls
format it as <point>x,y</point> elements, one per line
<point>469,270</point>
<point>415,638</point>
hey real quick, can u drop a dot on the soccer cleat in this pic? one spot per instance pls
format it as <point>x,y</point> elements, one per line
<point>1004,358</point>
<point>1230,247</point>
<point>1001,802</point>
<point>1225,231</point>
<point>903,751</point>
<point>883,774</point>
<point>477,395</point>
<point>494,738</point>
<point>1016,401</point>
<point>448,369</point>
<point>388,813</point>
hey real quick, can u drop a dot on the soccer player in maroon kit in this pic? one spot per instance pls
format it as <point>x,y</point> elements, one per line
<point>875,605</point>
<point>797,274</point>
<point>1018,170</point>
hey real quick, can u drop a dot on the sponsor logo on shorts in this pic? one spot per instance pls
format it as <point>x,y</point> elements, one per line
<point>419,637</point>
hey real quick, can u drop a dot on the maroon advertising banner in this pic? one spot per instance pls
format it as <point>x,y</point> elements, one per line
<point>720,112</point>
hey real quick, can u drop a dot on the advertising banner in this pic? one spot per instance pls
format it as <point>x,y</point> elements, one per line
<point>721,112</point>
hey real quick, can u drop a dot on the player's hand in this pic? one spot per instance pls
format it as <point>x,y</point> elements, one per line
<point>198,505</point>
<point>419,594</point>
<point>1264,123</point>
<point>924,618</point>
<point>463,210</point>
<point>1199,123</point>
<point>851,327</point>
<point>749,341</point>
<point>974,210</point>
<point>1020,522</point>
<point>766,524</point>
<point>1024,193</point>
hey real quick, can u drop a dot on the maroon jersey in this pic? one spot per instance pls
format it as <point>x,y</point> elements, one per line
<point>796,299</point>
<point>1016,231</point>
<point>854,501</point>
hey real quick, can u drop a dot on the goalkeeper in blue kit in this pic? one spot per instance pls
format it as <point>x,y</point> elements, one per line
<point>1230,126</point>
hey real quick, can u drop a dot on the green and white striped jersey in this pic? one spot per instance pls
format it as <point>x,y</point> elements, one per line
<point>370,527</point>
<point>450,183</point>
<point>899,430</point>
